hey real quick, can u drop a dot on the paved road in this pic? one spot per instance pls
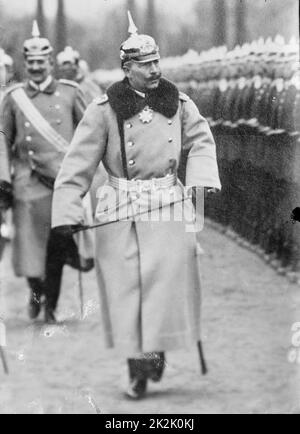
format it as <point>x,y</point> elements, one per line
<point>248,313</point>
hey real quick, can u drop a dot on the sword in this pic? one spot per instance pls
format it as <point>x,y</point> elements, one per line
<point>3,360</point>
<point>82,228</point>
<point>2,345</point>
<point>202,359</point>
<point>80,280</point>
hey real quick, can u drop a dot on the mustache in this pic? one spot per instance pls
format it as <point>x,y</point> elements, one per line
<point>155,77</point>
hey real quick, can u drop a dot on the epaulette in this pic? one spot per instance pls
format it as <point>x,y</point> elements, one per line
<point>68,82</point>
<point>12,88</point>
<point>184,97</point>
<point>101,99</point>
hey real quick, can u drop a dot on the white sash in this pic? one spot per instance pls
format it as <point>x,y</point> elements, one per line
<point>38,121</point>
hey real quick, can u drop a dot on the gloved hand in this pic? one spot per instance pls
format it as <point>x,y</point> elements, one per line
<point>6,195</point>
<point>67,231</point>
<point>208,191</point>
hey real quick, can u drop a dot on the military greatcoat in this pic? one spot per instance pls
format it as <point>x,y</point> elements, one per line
<point>23,153</point>
<point>148,271</point>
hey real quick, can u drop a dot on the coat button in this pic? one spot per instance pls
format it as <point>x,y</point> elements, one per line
<point>57,93</point>
<point>27,124</point>
<point>131,162</point>
<point>31,153</point>
<point>57,106</point>
<point>130,144</point>
<point>59,121</point>
<point>170,140</point>
<point>128,126</point>
<point>170,122</point>
<point>28,139</point>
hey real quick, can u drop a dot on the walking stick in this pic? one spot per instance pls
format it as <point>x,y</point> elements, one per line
<point>3,360</point>
<point>202,359</point>
<point>81,295</point>
<point>2,345</point>
<point>80,282</point>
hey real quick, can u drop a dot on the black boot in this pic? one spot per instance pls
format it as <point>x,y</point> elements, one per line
<point>49,316</point>
<point>35,304</point>
<point>156,366</point>
<point>54,269</point>
<point>138,379</point>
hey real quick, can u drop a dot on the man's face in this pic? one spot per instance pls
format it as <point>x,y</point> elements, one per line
<point>38,68</point>
<point>68,71</point>
<point>143,76</point>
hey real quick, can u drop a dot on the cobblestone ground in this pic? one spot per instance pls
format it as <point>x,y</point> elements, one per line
<point>248,313</point>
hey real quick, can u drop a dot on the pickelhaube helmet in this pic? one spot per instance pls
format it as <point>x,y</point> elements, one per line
<point>8,60</point>
<point>5,59</point>
<point>138,48</point>
<point>280,48</point>
<point>36,46</point>
<point>68,55</point>
<point>292,49</point>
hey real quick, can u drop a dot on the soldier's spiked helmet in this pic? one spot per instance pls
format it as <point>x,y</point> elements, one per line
<point>5,59</point>
<point>36,46</point>
<point>138,48</point>
<point>68,55</point>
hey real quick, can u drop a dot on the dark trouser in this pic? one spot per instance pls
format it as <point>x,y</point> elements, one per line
<point>37,288</point>
<point>59,251</point>
<point>147,368</point>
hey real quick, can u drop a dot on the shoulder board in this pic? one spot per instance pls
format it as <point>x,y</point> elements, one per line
<point>13,87</point>
<point>68,82</point>
<point>184,97</point>
<point>101,99</point>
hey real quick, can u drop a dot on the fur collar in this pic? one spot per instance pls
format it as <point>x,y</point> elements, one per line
<point>126,103</point>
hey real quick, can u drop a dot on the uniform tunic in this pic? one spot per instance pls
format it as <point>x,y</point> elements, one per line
<point>89,88</point>
<point>148,272</point>
<point>90,91</point>
<point>62,105</point>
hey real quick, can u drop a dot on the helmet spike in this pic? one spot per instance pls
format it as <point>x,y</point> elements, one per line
<point>132,27</point>
<point>139,48</point>
<point>35,30</point>
<point>36,46</point>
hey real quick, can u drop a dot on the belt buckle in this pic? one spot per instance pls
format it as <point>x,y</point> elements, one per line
<point>146,185</point>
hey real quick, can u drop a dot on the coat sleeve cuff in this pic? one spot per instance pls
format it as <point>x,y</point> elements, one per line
<point>6,194</point>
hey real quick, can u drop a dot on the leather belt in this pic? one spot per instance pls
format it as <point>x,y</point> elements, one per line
<point>142,185</point>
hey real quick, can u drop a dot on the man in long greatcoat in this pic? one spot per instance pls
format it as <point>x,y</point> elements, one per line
<point>69,68</point>
<point>68,63</point>
<point>147,260</point>
<point>38,119</point>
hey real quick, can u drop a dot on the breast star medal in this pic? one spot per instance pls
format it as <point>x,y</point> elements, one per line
<point>146,115</point>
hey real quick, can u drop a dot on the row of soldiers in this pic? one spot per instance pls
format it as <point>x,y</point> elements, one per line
<point>255,84</point>
<point>251,97</point>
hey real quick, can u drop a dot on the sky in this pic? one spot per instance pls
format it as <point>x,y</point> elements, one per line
<point>87,9</point>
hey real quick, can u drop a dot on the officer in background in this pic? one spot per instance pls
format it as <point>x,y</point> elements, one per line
<point>9,66</point>
<point>70,67</point>
<point>38,119</point>
<point>6,80</point>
